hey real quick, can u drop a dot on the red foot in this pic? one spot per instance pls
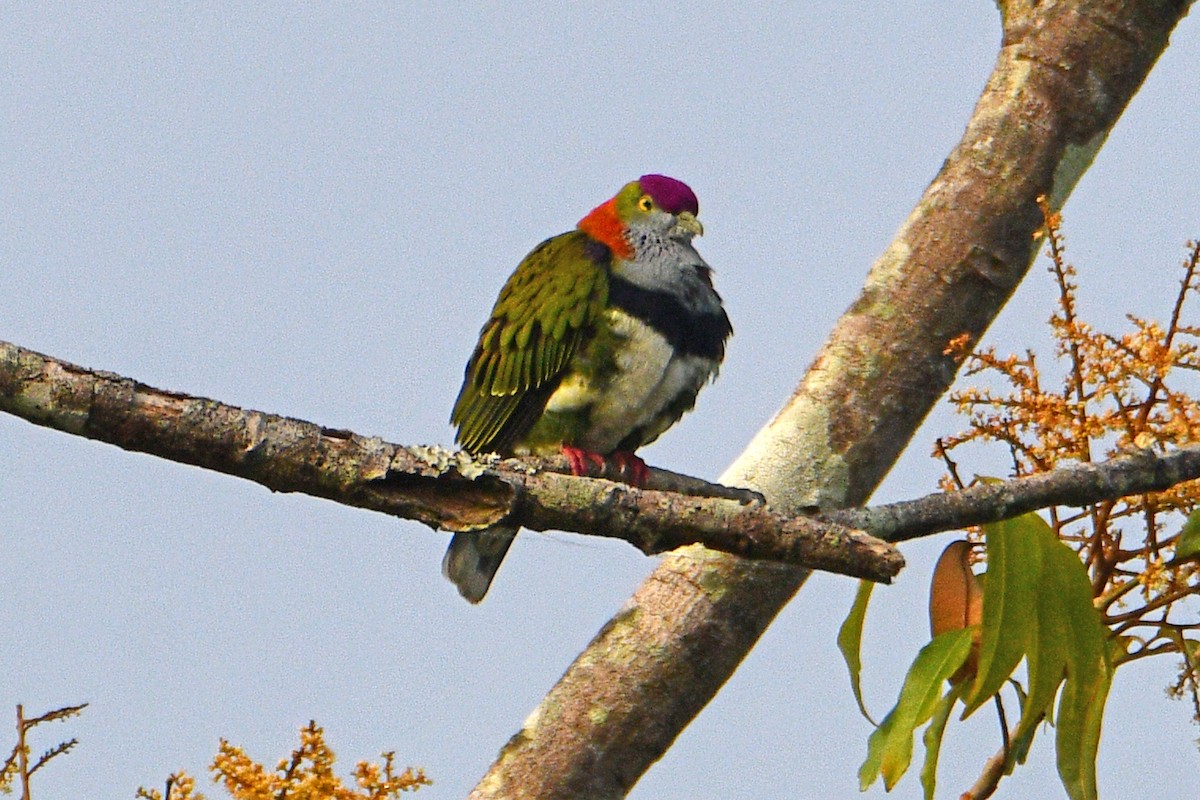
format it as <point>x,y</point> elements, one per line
<point>632,467</point>
<point>580,458</point>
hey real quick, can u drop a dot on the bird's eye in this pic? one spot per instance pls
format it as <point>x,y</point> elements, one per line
<point>645,203</point>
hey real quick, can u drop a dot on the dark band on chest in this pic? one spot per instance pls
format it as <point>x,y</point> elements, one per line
<point>689,332</point>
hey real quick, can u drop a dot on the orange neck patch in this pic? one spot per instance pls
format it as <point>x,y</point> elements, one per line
<point>603,225</point>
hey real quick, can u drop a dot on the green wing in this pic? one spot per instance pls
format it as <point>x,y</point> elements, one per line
<point>542,315</point>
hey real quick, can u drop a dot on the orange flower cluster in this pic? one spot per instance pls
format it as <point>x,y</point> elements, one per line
<point>307,775</point>
<point>1117,393</point>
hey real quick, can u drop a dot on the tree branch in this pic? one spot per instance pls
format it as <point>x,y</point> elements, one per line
<point>1080,485</point>
<point>441,488</point>
<point>457,492</point>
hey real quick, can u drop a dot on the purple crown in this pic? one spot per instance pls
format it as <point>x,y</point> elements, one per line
<point>671,195</point>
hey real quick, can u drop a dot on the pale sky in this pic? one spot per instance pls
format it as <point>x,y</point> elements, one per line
<point>310,213</point>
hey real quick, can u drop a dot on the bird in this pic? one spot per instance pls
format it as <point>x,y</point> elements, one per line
<point>599,342</point>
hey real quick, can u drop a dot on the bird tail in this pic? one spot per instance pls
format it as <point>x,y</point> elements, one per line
<point>472,559</point>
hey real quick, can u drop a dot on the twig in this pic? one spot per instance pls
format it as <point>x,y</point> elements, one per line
<point>989,778</point>
<point>23,727</point>
<point>1080,485</point>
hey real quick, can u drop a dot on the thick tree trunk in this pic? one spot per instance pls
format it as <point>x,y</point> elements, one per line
<point>1065,72</point>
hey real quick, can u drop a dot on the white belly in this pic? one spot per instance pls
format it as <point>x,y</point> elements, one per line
<point>648,378</point>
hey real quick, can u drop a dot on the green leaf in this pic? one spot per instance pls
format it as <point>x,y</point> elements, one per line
<point>849,641</point>
<point>1038,604</point>
<point>1019,690</point>
<point>933,738</point>
<point>1080,715</point>
<point>1046,649</point>
<point>1089,673</point>
<point>889,748</point>
<point>1189,538</point>
<point>1014,561</point>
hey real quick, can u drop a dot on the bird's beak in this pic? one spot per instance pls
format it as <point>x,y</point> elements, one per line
<point>686,222</point>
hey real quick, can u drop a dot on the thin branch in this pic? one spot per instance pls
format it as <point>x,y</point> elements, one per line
<point>1147,652</point>
<point>57,714</point>
<point>989,777</point>
<point>1106,601</point>
<point>951,464</point>
<point>1136,615</point>
<point>1189,273</point>
<point>22,751</point>
<point>57,750</point>
<point>1080,485</point>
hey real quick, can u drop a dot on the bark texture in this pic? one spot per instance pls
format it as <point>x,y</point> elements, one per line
<point>458,492</point>
<point>1079,486</point>
<point>441,488</point>
<point>1065,72</point>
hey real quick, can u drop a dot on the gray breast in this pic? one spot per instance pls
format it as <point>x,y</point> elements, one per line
<point>669,287</point>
